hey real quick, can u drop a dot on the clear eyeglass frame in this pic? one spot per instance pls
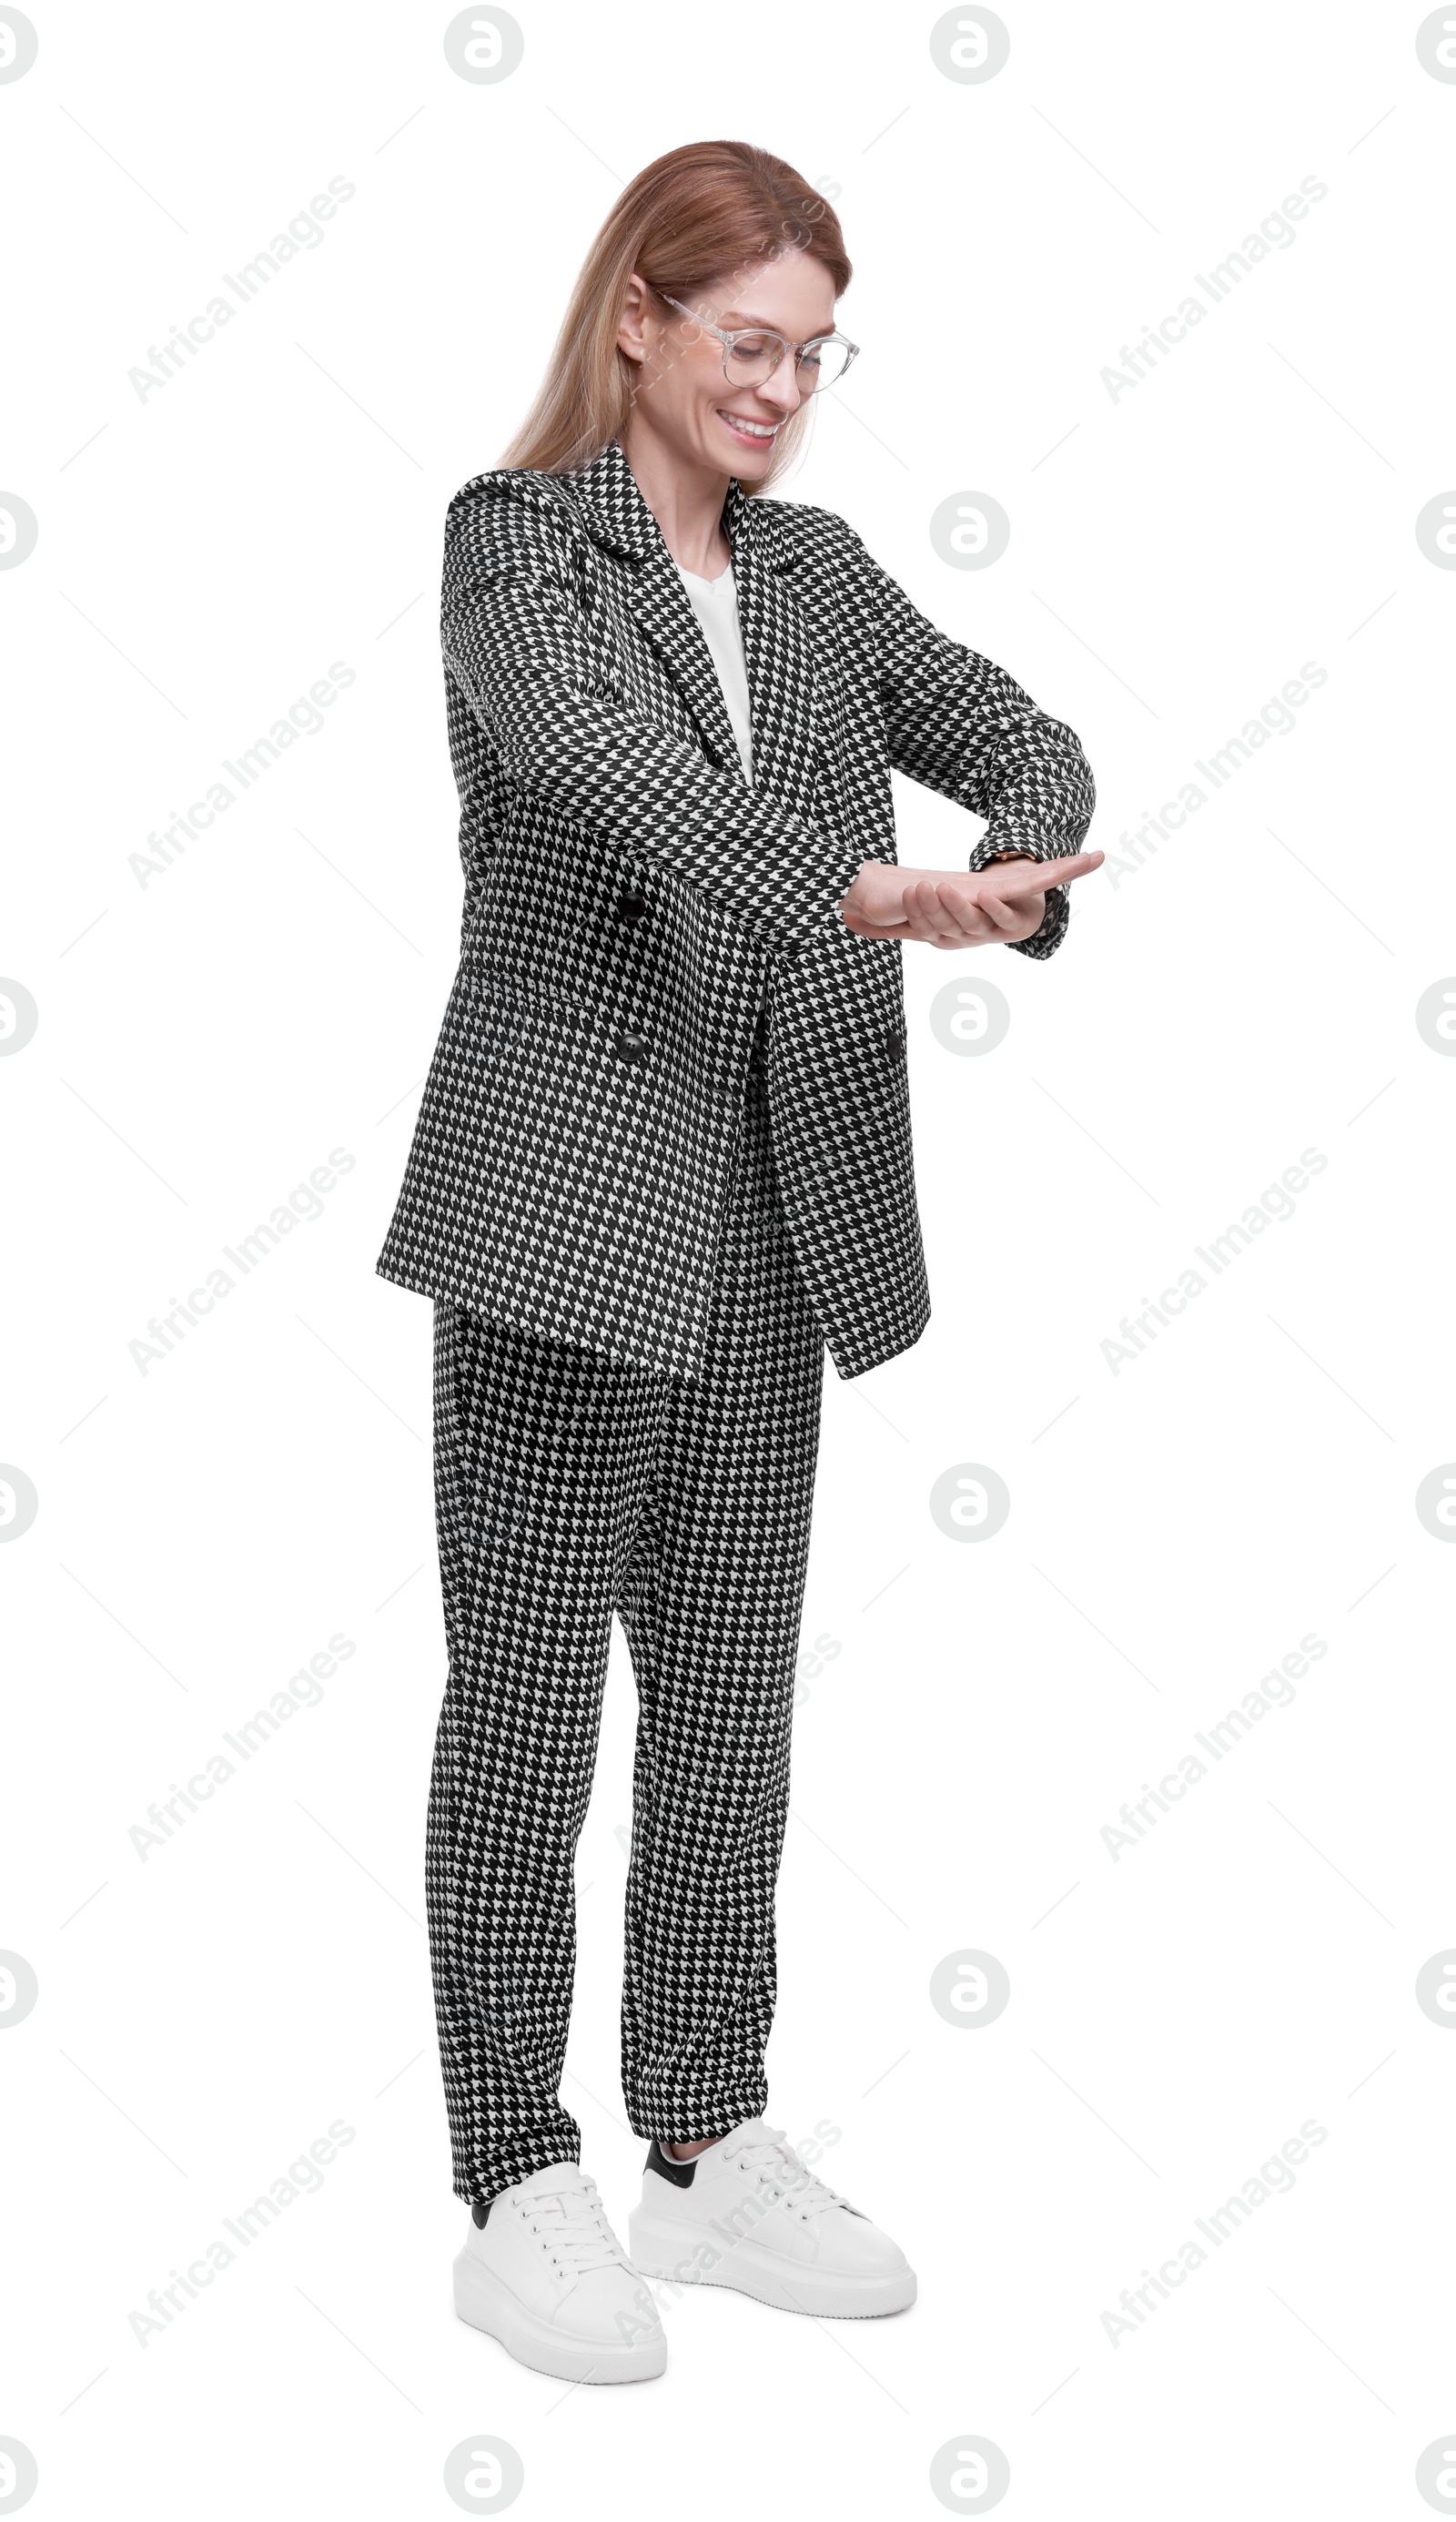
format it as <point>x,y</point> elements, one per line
<point>839,341</point>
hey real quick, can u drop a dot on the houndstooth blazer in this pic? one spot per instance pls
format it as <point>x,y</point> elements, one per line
<point>635,913</point>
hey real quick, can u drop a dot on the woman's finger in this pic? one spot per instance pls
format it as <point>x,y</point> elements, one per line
<point>955,912</point>
<point>926,903</point>
<point>1001,912</point>
<point>1024,876</point>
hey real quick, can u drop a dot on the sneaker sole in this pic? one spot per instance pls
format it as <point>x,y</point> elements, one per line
<point>486,2304</point>
<point>658,2250</point>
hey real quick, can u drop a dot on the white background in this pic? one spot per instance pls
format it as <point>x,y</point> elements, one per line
<point>208,1037</point>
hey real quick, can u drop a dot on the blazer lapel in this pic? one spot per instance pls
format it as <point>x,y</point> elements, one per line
<point>664,612</point>
<point>617,517</point>
<point>779,647</point>
<point>779,651</point>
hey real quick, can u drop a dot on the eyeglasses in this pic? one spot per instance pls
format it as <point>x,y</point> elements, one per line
<point>748,358</point>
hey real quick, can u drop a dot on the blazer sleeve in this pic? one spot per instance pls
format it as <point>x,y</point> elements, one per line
<point>520,644</point>
<point>965,727</point>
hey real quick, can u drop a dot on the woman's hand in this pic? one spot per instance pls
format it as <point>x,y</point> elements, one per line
<point>1003,905</point>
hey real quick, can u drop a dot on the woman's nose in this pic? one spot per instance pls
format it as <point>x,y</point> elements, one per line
<point>781,387</point>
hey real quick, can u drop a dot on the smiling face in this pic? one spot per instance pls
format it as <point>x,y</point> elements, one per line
<point>685,401</point>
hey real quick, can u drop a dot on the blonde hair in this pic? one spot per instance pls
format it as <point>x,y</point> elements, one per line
<point>694,218</point>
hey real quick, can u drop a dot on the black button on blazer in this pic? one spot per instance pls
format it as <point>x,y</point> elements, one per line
<point>625,885</point>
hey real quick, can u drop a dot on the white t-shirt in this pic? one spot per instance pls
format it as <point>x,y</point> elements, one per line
<point>715,601</point>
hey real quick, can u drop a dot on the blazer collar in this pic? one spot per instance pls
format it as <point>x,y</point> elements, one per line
<point>616,515</point>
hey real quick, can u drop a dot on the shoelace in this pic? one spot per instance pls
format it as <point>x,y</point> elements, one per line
<point>572,2222</point>
<point>774,2164</point>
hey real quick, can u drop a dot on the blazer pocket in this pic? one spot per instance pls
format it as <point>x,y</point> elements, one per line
<point>568,1055</point>
<point>513,1002</point>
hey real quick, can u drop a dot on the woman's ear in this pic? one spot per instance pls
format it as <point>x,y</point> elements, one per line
<point>631,335</point>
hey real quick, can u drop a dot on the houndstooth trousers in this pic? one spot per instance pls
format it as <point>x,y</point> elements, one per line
<point>570,1487</point>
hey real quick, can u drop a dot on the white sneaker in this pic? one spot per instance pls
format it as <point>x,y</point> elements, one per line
<point>546,2274</point>
<point>748,2214</point>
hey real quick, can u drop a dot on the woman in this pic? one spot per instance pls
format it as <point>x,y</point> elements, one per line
<point>663,1159</point>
